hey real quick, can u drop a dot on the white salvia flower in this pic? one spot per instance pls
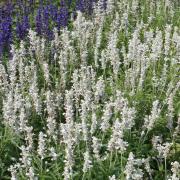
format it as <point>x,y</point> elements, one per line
<point>69,138</point>
<point>128,116</point>
<point>69,109</point>
<point>176,38</point>
<point>9,113</point>
<point>25,157</point>
<point>175,170</point>
<point>177,129</point>
<point>51,121</point>
<point>99,89</point>
<point>46,72</point>
<point>93,123</point>
<point>82,26</point>
<point>148,36</point>
<point>35,44</point>
<point>163,149</point>
<point>164,73</point>
<point>156,46</point>
<point>3,79</point>
<point>99,13</point>
<point>132,57</point>
<point>76,88</point>
<point>103,59</point>
<point>32,36</point>
<point>33,90</point>
<point>79,22</point>
<point>156,140</point>
<point>134,6</point>
<point>84,55</point>
<point>22,52</point>
<point>88,100</point>
<point>65,38</point>
<point>110,6</point>
<point>56,41</point>
<point>132,169</point>
<point>84,113</point>
<point>97,45</point>
<point>28,74</point>
<point>85,79</point>
<point>96,147</point>
<point>13,170</point>
<point>63,63</point>
<point>167,39</point>
<point>170,111</point>
<point>119,102</point>
<point>151,119</point>
<point>22,119</point>
<point>132,47</point>
<point>18,98</point>
<point>170,97</point>
<point>138,175</point>
<point>67,132</point>
<point>69,161</point>
<point>12,69</point>
<point>27,105</point>
<point>107,114</point>
<point>87,162</point>
<point>42,49</point>
<point>129,168</point>
<point>29,137</point>
<point>113,53</point>
<point>41,145</point>
<point>51,124</point>
<point>116,141</point>
<point>93,76</point>
<point>77,131</point>
<point>30,174</point>
<point>147,167</point>
<point>112,177</point>
<point>53,154</point>
<point>124,21</point>
<point>143,64</point>
<point>50,104</point>
<point>116,24</point>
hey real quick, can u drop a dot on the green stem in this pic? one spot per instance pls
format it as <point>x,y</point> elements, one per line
<point>165,166</point>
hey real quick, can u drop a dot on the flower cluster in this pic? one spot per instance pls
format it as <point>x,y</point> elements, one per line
<point>17,17</point>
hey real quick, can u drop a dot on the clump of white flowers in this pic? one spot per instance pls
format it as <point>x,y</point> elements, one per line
<point>162,148</point>
<point>116,142</point>
<point>175,170</point>
<point>42,145</point>
<point>132,168</point>
<point>150,120</point>
<point>87,162</point>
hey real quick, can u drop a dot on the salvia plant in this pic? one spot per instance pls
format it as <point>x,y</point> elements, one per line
<point>97,100</point>
<point>42,16</point>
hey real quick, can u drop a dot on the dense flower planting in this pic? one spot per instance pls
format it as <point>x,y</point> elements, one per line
<point>99,99</point>
<point>42,16</point>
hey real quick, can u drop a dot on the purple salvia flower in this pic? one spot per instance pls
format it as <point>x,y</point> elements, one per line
<point>19,30</point>
<point>53,12</point>
<point>80,5</point>
<point>38,20</point>
<point>62,18</point>
<point>46,23</point>
<point>26,24</point>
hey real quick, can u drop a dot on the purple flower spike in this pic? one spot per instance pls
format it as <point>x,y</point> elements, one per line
<point>38,20</point>
<point>62,18</point>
